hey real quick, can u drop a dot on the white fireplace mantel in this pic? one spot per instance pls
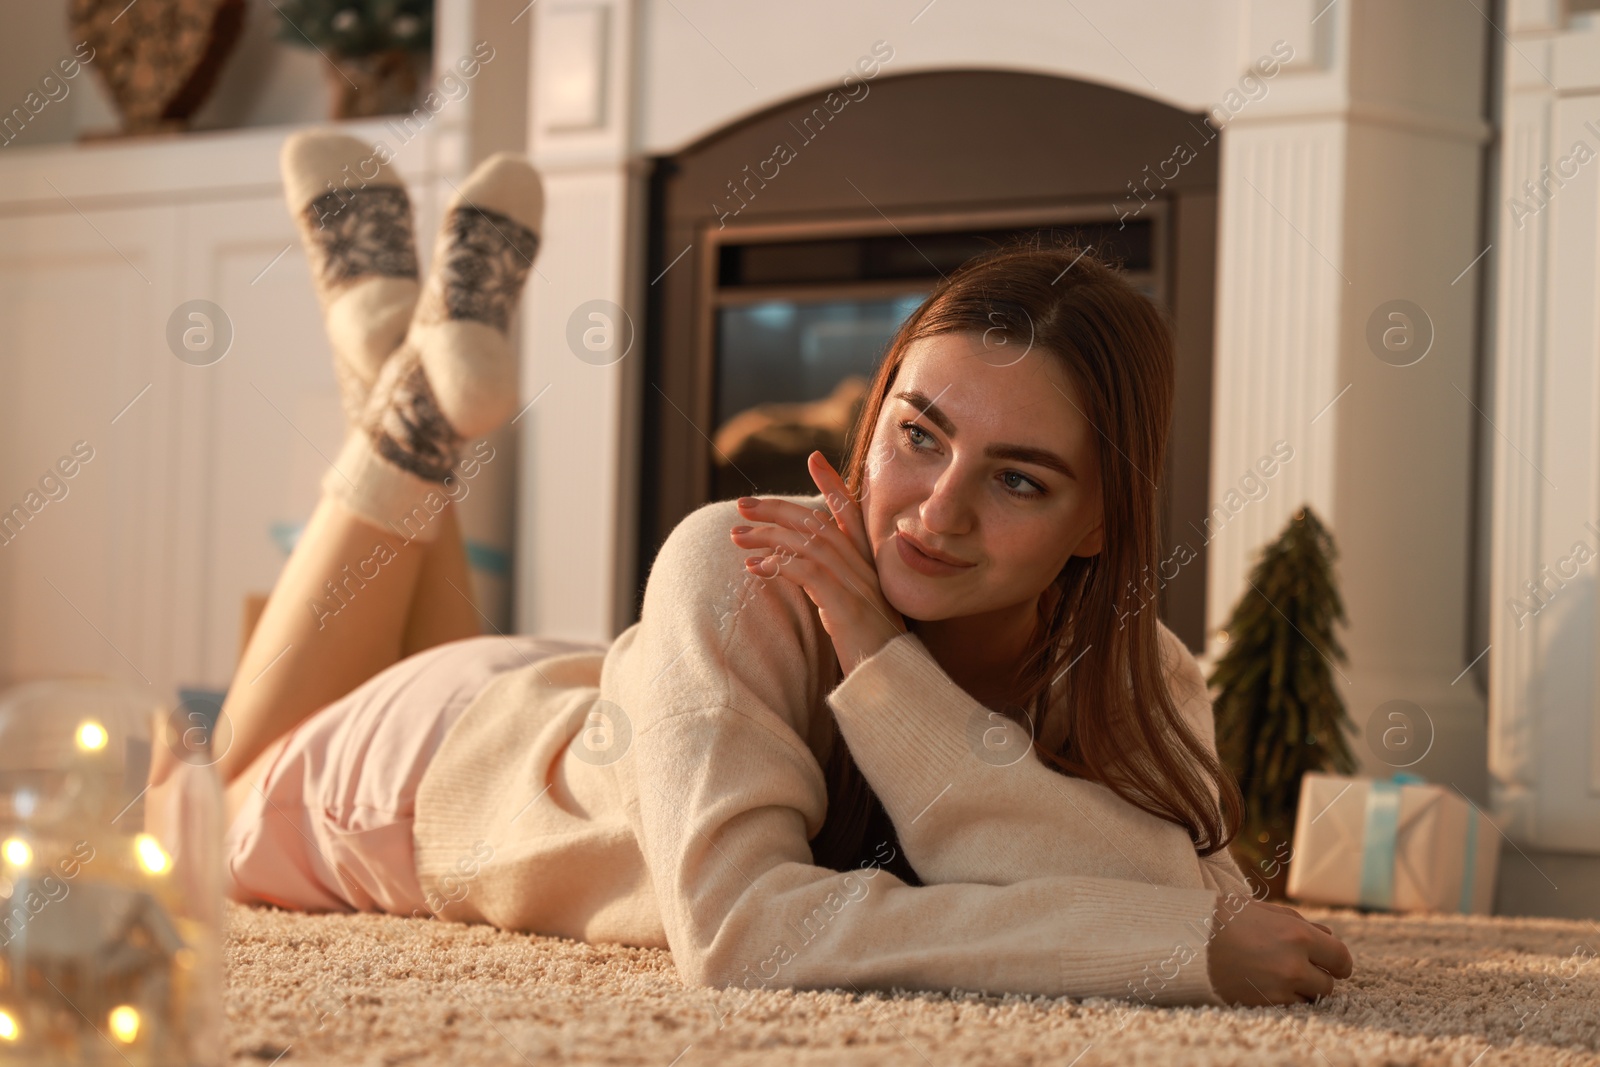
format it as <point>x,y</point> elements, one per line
<point>1321,221</point>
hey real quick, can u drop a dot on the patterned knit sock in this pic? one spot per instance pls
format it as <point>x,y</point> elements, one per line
<point>355,221</point>
<point>486,247</point>
<point>454,377</point>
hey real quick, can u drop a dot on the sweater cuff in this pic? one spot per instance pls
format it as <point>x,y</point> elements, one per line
<point>906,723</point>
<point>1224,874</point>
<point>1179,922</point>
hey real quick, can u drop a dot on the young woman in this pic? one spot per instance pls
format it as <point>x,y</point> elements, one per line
<point>904,731</point>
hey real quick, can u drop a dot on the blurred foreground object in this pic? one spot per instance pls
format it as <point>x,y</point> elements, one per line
<point>376,49</point>
<point>159,59</point>
<point>110,893</point>
<point>1400,844</point>
<point>1278,714</point>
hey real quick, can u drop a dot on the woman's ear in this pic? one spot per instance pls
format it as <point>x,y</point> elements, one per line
<point>1093,541</point>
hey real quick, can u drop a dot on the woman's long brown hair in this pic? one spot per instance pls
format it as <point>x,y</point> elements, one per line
<point>1111,718</point>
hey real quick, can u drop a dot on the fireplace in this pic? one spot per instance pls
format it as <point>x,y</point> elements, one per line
<point>801,315</point>
<point>776,291</point>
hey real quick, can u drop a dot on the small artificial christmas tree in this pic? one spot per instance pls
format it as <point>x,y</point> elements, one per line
<point>1278,714</point>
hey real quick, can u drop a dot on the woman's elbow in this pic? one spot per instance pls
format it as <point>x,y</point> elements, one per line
<point>698,971</point>
<point>716,967</point>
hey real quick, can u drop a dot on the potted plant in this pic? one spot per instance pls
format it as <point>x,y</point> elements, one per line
<point>377,50</point>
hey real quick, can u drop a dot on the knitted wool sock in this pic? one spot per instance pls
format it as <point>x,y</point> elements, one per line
<point>454,377</point>
<point>354,219</point>
<point>486,247</point>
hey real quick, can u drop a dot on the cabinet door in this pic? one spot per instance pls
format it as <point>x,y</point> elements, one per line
<point>257,427</point>
<point>85,563</point>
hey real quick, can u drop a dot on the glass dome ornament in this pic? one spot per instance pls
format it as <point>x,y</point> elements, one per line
<point>110,888</point>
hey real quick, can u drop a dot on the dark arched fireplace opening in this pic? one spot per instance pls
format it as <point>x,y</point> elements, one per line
<point>784,251</point>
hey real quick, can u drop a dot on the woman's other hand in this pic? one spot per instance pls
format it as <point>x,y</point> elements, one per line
<point>1270,954</point>
<point>827,554</point>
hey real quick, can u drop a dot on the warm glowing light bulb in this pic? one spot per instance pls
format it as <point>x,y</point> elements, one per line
<point>8,1027</point>
<point>151,855</point>
<point>91,736</point>
<point>17,852</point>
<point>124,1023</point>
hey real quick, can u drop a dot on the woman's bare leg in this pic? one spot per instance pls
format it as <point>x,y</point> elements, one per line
<point>334,619</point>
<point>442,608</point>
<point>437,614</point>
<point>238,790</point>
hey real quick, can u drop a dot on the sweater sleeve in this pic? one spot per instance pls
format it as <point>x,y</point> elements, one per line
<point>971,800</point>
<point>726,795</point>
<point>1222,873</point>
<point>723,805</point>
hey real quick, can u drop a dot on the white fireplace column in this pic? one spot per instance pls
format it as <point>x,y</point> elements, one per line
<point>1352,185</point>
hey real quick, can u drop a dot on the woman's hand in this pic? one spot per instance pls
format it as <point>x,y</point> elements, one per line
<point>1270,954</point>
<point>828,556</point>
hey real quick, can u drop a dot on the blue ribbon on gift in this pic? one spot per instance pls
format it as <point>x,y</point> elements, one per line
<point>1378,847</point>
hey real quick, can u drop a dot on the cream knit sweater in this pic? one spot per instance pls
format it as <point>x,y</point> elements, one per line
<point>664,792</point>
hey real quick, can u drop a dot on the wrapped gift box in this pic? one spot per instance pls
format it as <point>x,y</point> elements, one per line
<point>1400,844</point>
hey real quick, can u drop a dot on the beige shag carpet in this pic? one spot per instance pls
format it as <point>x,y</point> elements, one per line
<point>376,990</point>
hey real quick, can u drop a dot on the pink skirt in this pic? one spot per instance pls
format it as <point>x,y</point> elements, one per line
<point>329,828</point>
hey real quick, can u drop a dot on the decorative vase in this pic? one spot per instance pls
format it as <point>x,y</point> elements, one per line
<point>380,83</point>
<point>159,59</point>
<point>110,892</point>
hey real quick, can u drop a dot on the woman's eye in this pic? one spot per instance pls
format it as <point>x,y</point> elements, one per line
<point>1037,489</point>
<point>915,435</point>
<point>909,428</point>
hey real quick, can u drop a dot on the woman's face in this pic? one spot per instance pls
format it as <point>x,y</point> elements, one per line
<point>965,460</point>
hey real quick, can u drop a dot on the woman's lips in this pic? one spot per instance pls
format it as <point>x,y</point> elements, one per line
<point>925,564</point>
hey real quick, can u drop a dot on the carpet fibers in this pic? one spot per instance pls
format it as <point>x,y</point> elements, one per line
<point>377,990</point>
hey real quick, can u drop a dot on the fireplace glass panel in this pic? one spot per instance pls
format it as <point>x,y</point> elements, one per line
<point>801,324</point>
<point>791,377</point>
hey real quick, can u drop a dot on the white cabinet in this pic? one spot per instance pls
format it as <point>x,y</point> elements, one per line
<point>81,298</point>
<point>1544,736</point>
